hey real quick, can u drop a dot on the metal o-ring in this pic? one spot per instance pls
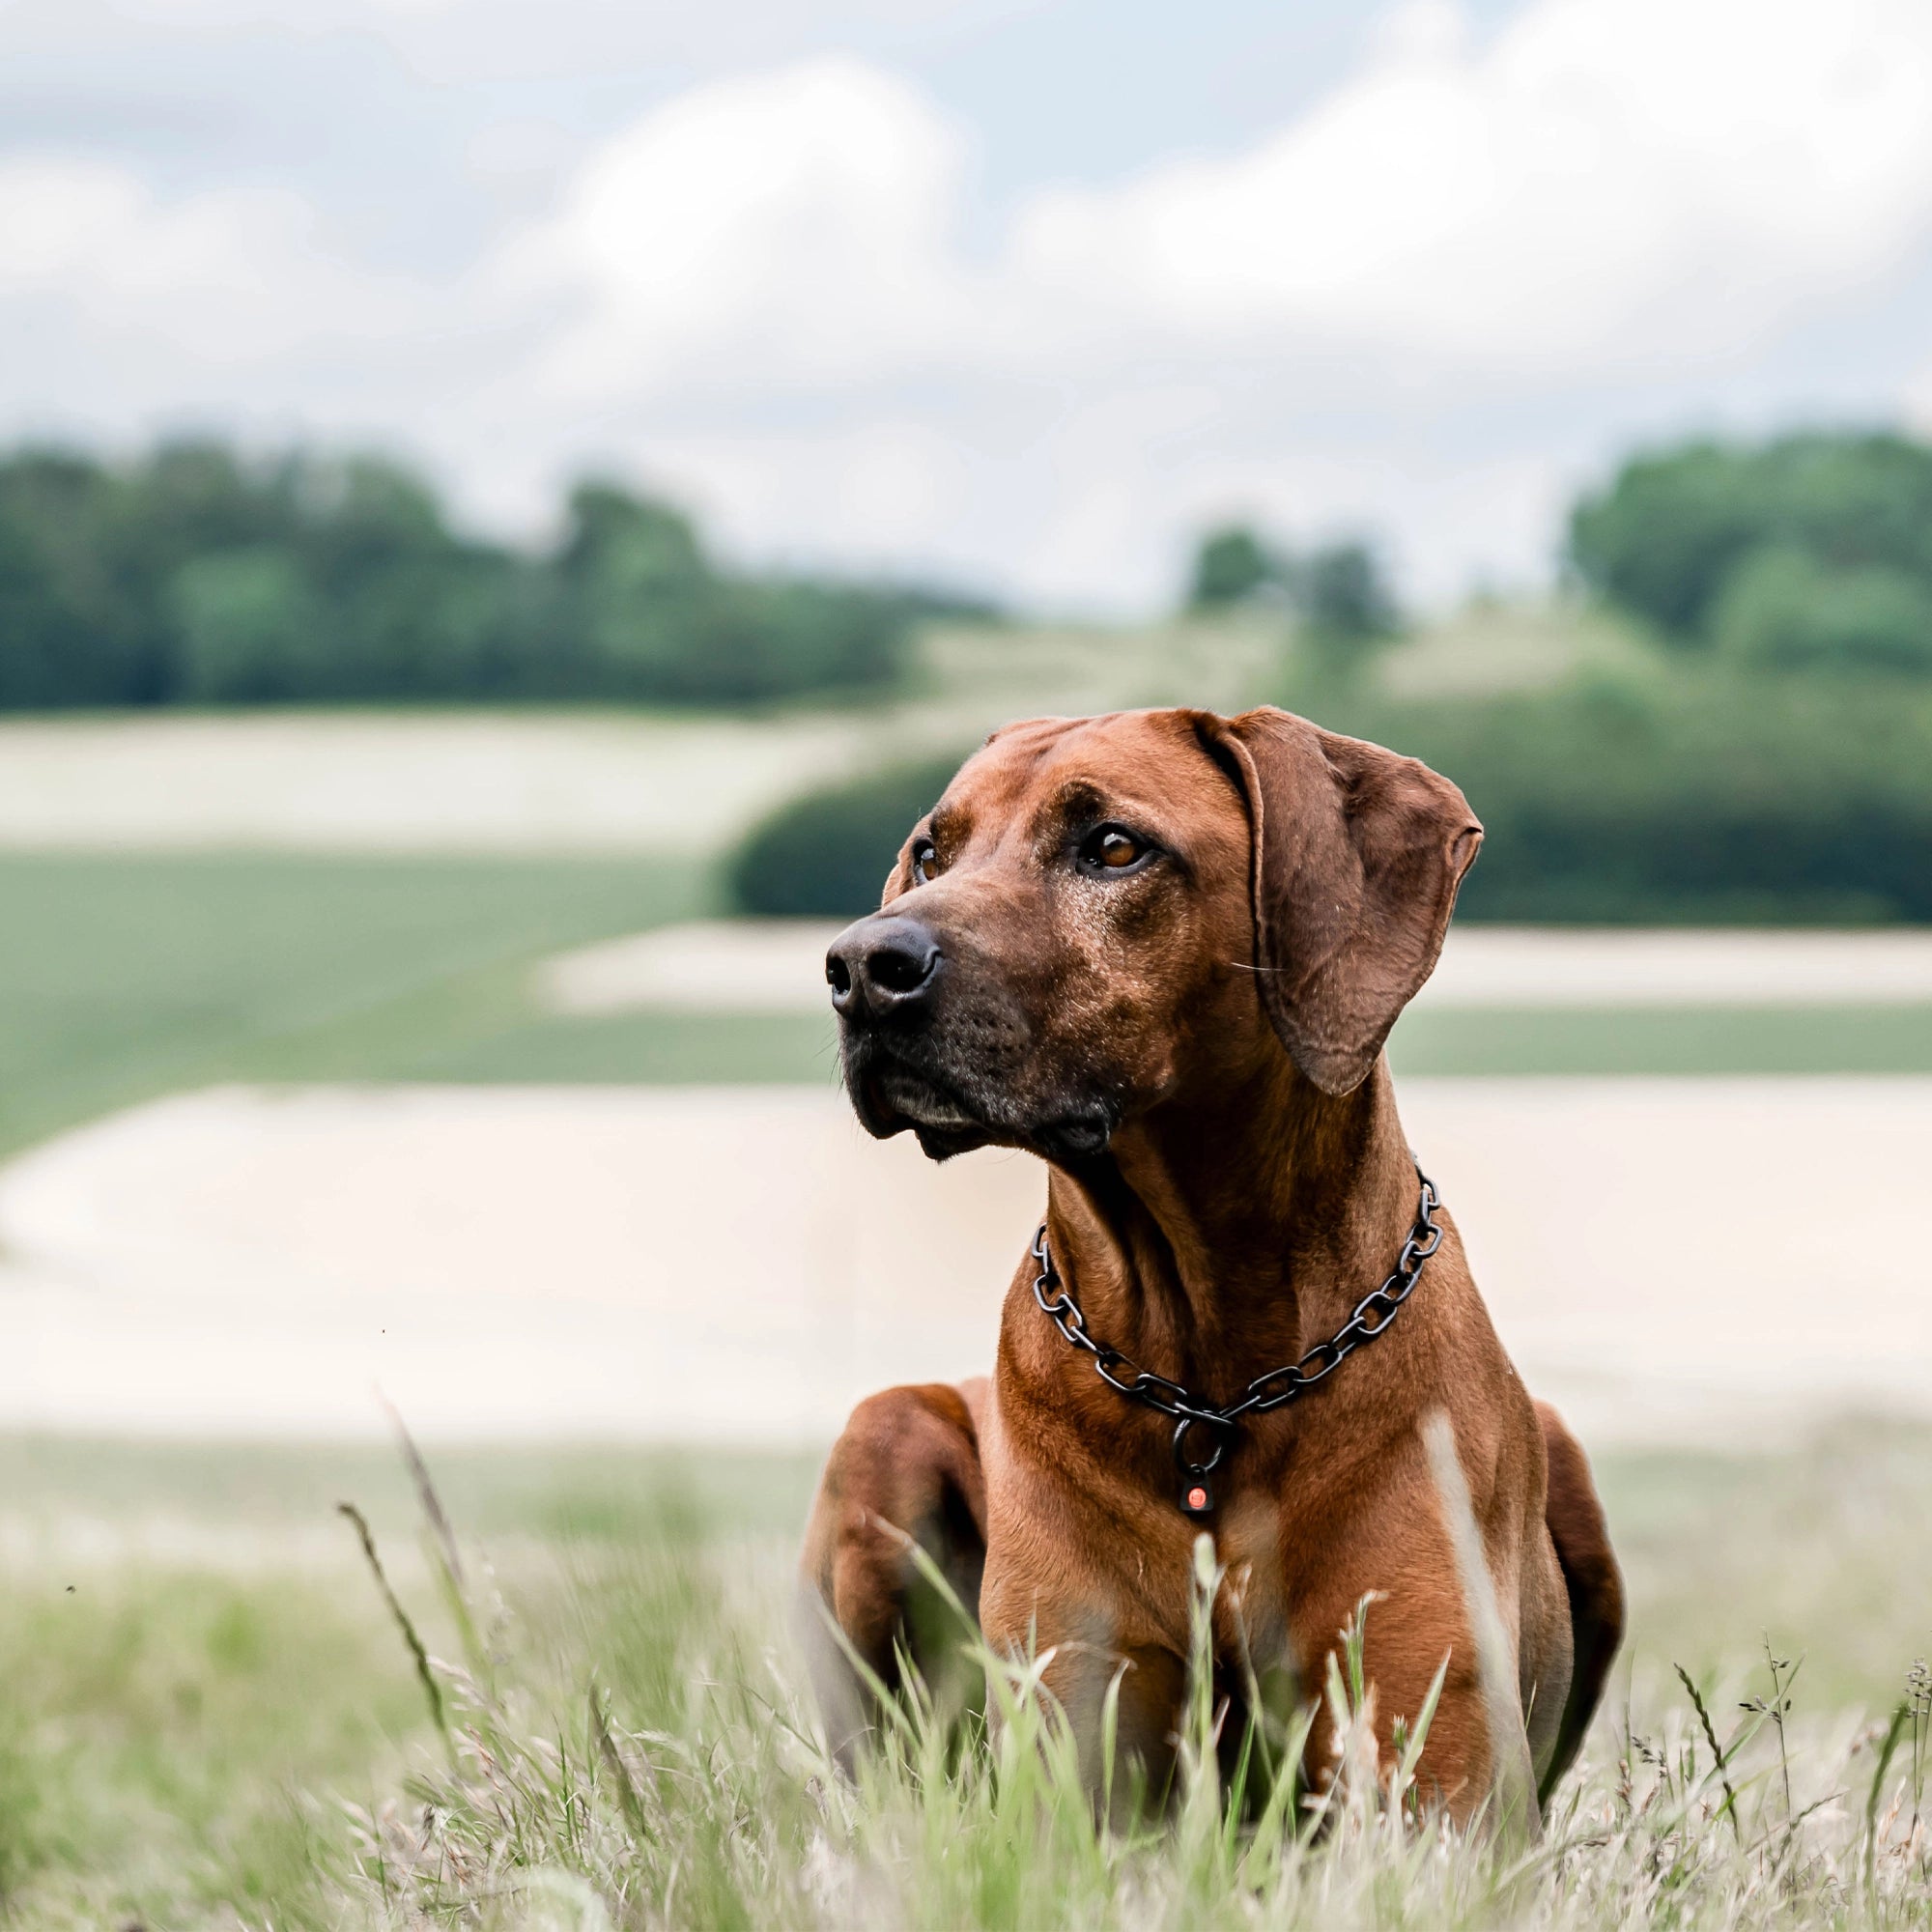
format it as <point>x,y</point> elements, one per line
<point>1180,1456</point>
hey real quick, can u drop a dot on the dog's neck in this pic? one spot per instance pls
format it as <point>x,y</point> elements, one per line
<point>1216,1241</point>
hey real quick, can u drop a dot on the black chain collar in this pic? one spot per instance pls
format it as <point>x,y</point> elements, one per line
<point>1275,1390</point>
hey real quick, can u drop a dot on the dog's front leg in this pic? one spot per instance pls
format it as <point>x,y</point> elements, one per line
<point>1102,1675</point>
<point>1397,1555</point>
<point>905,1471</point>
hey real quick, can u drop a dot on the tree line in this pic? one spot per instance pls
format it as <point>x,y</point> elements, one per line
<point>1768,759</point>
<point>1809,553</point>
<point>195,575</point>
<point>1806,552</point>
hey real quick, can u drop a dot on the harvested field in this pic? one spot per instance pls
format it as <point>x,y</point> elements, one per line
<point>730,1264</point>
<point>400,782</point>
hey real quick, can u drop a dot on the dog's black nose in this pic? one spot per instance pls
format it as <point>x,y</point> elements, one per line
<point>882,965</point>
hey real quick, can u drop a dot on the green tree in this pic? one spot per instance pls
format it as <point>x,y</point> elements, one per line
<point>411,609</point>
<point>654,619</point>
<point>632,583</point>
<point>1782,610</point>
<point>1344,597</point>
<point>1232,565</point>
<point>74,630</point>
<point>826,853</point>
<point>1674,530</point>
<point>1339,592</point>
<point>195,574</point>
<point>251,628</point>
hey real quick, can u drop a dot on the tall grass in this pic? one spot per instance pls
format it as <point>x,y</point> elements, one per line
<point>632,1748</point>
<point>210,1719</point>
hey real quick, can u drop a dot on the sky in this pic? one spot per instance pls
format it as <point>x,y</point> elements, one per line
<point>1019,296</point>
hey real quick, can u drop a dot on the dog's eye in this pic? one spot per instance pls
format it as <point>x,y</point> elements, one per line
<point>925,861</point>
<point>1112,848</point>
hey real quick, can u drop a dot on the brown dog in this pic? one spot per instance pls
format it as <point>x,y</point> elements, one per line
<point>1162,951</point>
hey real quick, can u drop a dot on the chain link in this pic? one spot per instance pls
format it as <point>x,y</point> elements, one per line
<point>1275,1390</point>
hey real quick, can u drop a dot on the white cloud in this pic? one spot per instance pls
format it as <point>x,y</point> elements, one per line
<point>763,283</point>
<point>759,292</point>
<point>1608,181</point>
<point>214,277</point>
<point>787,228</point>
<point>1609,178</point>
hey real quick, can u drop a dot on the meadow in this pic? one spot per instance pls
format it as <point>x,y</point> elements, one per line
<point>126,975</point>
<point>215,1717</point>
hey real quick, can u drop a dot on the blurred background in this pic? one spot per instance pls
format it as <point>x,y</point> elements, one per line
<point>508,512</point>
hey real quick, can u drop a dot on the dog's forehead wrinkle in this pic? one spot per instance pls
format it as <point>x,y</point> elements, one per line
<point>1050,779</point>
<point>1069,804</point>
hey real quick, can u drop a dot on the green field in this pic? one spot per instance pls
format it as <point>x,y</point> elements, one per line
<point>1640,1040</point>
<point>1704,1040</point>
<point>211,1717</point>
<point>511,1043</point>
<point>123,978</point>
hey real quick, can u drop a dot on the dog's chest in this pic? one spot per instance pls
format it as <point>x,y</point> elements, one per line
<point>1162,1578</point>
<point>1247,1548</point>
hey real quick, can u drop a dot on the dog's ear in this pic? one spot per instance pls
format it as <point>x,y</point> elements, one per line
<point>1357,856</point>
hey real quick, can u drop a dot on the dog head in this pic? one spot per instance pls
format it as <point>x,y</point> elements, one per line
<point>1103,913</point>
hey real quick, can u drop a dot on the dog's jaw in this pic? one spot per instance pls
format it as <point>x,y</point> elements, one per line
<point>892,1095</point>
<point>918,1101</point>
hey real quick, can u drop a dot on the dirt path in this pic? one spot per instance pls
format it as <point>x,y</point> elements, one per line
<point>1667,1258</point>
